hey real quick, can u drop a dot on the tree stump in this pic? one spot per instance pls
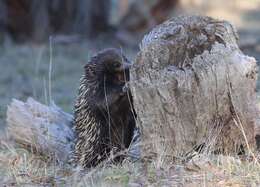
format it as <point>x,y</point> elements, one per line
<point>194,89</point>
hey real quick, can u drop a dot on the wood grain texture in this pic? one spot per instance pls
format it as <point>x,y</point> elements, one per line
<point>45,130</point>
<point>193,87</point>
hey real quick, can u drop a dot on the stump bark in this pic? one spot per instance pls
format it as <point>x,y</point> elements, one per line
<point>194,89</point>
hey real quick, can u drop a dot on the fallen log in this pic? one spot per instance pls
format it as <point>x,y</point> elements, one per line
<point>194,89</point>
<point>45,130</point>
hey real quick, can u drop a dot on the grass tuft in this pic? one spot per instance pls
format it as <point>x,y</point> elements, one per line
<point>20,167</point>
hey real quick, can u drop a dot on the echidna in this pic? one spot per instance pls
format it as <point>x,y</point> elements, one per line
<point>104,119</point>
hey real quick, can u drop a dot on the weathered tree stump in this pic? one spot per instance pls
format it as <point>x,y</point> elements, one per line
<point>194,89</point>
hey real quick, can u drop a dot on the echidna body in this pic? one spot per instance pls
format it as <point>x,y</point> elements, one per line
<point>104,117</point>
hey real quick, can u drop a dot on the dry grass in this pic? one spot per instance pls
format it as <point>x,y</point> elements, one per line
<point>18,167</point>
<point>22,168</point>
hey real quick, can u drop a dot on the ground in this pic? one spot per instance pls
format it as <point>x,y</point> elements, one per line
<point>20,168</point>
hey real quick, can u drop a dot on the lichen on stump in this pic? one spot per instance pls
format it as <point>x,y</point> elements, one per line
<point>193,88</point>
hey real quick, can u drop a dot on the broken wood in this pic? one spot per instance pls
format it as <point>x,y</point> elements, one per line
<point>194,89</point>
<point>45,130</point>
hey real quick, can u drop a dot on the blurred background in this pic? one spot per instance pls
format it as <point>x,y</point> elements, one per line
<point>45,43</point>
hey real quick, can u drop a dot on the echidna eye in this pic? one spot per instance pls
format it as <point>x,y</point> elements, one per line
<point>117,65</point>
